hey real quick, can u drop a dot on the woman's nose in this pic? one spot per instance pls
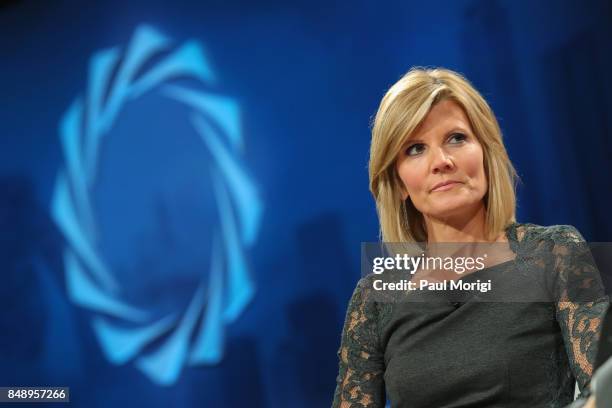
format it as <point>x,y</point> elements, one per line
<point>441,161</point>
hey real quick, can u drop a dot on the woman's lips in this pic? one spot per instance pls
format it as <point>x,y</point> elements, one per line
<point>445,187</point>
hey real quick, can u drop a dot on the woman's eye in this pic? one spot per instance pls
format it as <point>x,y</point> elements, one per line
<point>414,149</point>
<point>457,138</point>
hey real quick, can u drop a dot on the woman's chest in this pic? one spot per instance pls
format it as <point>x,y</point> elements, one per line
<point>440,354</point>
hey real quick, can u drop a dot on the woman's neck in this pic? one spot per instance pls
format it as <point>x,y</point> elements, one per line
<point>469,227</point>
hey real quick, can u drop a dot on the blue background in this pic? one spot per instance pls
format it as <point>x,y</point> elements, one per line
<point>308,77</point>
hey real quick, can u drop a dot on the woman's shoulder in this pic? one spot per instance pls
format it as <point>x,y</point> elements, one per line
<point>365,290</point>
<point>370,302</point>
<point>558,233</point>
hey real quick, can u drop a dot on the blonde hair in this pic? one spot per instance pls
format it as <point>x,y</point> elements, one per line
<point>402,109</point>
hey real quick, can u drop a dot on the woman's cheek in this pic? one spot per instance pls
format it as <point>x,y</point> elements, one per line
<point>473,161</point>
<point>414,182</point>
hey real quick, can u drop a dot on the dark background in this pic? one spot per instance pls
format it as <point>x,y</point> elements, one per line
<point>308,77</point>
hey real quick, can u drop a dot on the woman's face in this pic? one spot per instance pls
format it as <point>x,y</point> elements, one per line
<point>443,149</point>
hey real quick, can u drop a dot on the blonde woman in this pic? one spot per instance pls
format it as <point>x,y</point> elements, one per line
<point>439,172</point>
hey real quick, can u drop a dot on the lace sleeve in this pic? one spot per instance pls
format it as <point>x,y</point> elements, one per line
<point>361,364</point>
<point>581,302</point>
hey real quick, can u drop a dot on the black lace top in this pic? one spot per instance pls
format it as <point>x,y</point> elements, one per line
<point>480,354</point>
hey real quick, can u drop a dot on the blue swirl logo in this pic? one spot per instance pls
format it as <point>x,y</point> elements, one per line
<point>158,344</point>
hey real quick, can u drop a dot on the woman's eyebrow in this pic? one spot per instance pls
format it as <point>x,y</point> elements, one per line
<point>458,129</point>
<point>446,134</point>
<point>412,140</point>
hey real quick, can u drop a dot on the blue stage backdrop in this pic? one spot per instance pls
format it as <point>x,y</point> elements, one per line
<point>184,187</point>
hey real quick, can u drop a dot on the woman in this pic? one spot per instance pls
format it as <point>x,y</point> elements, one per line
<point>439,172</point>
